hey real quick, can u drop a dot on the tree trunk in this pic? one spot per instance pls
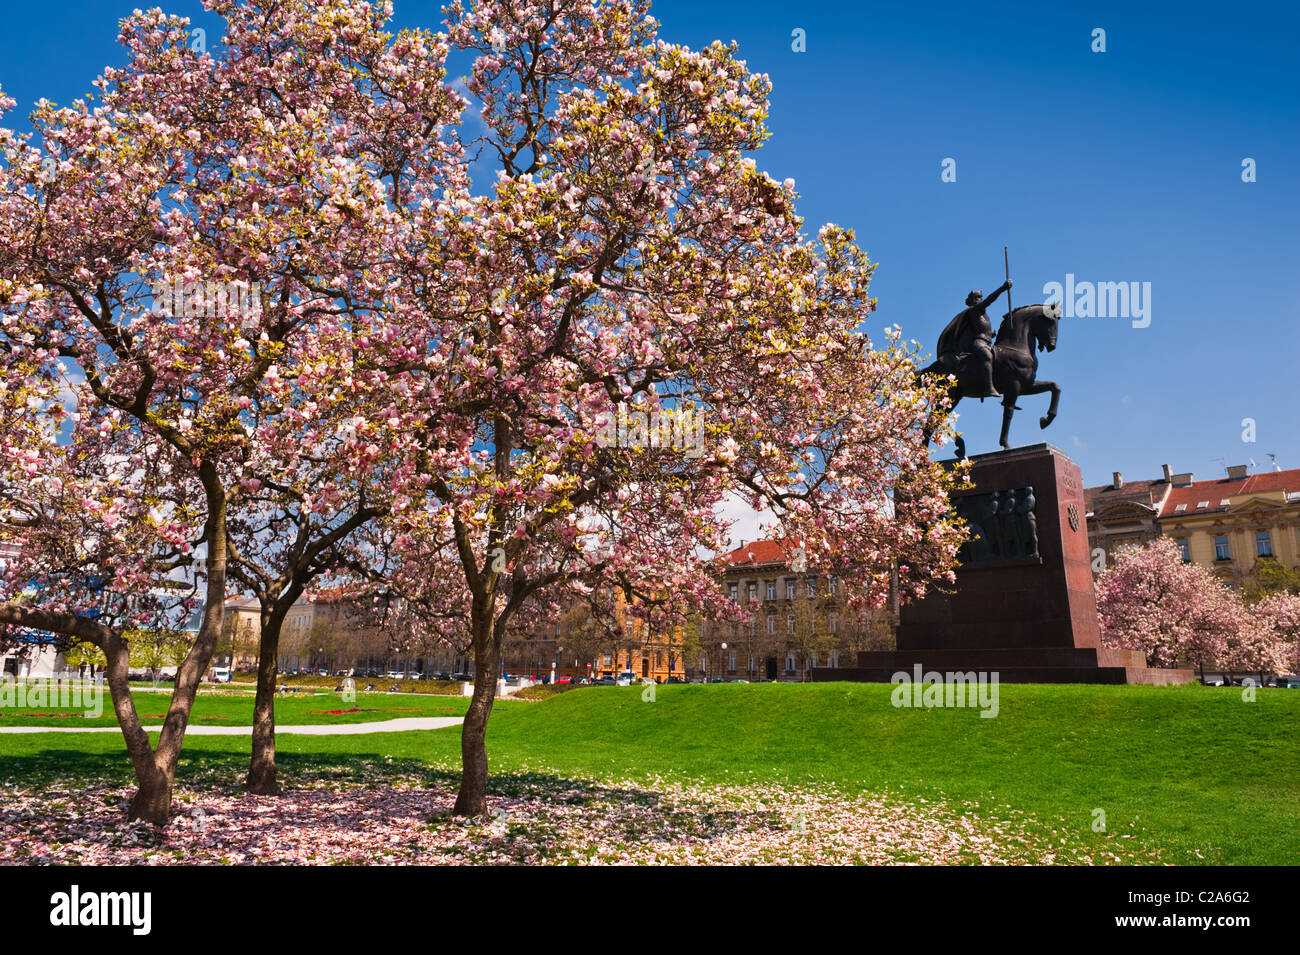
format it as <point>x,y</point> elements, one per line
<point>155,793</point>
<point>261,768</point>
<point>262,773</point>
<point>152,801</point>
<point>472,798</point>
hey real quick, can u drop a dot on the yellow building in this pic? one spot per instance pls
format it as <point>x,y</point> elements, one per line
<point>1229,524</point>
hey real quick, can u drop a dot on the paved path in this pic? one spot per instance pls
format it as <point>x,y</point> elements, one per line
<point>319,729</point>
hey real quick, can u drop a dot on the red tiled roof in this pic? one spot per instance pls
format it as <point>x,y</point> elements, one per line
<point>762,552</point>
<point>1215,491</point>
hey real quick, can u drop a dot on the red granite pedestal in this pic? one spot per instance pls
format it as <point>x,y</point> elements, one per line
<point>1031,619</point>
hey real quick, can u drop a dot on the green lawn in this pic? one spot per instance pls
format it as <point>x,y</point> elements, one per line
<point>1187,770</point>
<point>224,707</point>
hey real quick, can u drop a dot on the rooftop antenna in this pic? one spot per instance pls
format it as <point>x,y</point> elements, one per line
<point>1273,457</point>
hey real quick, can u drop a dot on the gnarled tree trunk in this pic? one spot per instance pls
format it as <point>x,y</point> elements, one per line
<point>262,773</point>
<point>471,800</point>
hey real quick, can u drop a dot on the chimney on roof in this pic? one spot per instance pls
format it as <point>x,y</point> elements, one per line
<point>1236,472</point>
<point>1119,480</point>
<point>1183,479</point>
<point>1169,475</point>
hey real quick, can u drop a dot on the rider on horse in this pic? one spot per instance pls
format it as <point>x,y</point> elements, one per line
<point>969,336</point>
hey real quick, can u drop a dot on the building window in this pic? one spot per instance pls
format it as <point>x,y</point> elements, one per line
<point>753,591</point>
<point>789,590</point>
<point>832,624</point>
<point>789,623</point>
<point>789,661</point>
<point>812,588</point>
<point>835,658</point>
<point>1221,549</point>
<point>731,662</point>
<point>771,590</point>
<point>735,592</point>
<point>609,661</point>
<point>812,659</point>
<point>832,584</point>
<point>1263,544</point>
<point>771,624</point>
<point>1185,549</point>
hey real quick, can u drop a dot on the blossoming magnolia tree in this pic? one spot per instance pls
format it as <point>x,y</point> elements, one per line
<point>1174,611</point>
<point>269,170</point>
<point>631,258</point>
<point>1271,641</point>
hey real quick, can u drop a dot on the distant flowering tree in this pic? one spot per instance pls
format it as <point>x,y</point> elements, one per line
<point>1280,613</point>
<point>630,259</point>
<point>1170,610</point>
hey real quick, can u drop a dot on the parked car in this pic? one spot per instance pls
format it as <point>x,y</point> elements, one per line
<point>676,679</point>
<point>462,677</point>
<point>604,681</point>
<point>563,680</point>
<point>395,675</point>
<point>626,678</point>
<point>442,675</point>
<point>221,674</point>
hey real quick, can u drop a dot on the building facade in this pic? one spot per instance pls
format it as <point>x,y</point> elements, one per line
<point>1228,524</point>
<point>799,620</point>
<point>1232,523</point>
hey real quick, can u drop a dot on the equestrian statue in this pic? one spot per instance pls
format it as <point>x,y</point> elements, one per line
<point>996,366</point>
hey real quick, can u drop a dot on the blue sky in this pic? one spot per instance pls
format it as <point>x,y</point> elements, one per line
<point>1115,166</point>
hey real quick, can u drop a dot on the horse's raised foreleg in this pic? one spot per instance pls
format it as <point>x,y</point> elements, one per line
<point>1037,388</point>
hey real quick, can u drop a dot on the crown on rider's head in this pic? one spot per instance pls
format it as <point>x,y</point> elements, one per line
<point>975,296</point>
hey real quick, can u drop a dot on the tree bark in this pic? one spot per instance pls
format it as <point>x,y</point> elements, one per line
<point>471,800</point>
<point>262,773</point>
<point>152,801</point>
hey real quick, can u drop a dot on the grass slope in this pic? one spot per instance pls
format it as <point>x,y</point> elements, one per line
<point>1194,771</point>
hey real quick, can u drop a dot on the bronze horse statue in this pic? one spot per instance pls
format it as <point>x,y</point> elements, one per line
<point>1015,366</point>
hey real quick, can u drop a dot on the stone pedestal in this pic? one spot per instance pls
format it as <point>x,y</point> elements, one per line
<point>1024,603</point>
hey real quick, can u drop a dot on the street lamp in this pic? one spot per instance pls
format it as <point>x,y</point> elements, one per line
<point>720,658</point>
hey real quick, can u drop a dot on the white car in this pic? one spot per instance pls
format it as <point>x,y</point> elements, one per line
<point>221,674</point>
<point>625,678</point>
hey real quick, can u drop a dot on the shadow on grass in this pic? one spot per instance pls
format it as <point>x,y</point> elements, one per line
<point>352,811</point>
